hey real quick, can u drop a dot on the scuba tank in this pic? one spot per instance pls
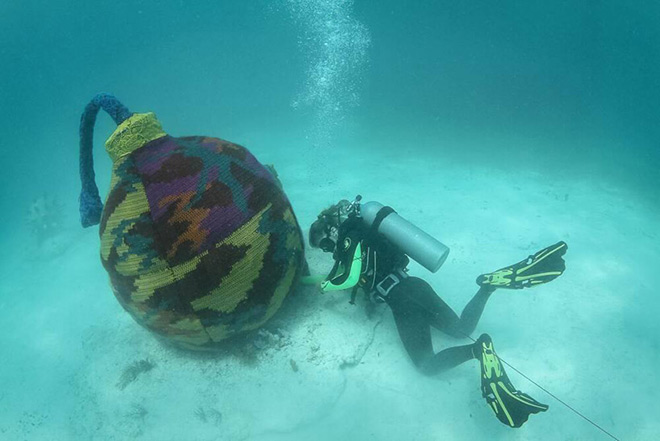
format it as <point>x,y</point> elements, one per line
<point>198,238</point>
<point>418,245</point>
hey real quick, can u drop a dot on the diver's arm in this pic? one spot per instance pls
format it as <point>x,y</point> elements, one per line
<point>349,277</point>
<point>333,272</point>
<point>336,277</point>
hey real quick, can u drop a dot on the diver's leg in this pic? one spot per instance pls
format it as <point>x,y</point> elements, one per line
<point>415,334</point>
<point>437,313</point>
<point>448,358</point>
<point>440,315</point>
<point>472,313</point>
<point>411,306</point>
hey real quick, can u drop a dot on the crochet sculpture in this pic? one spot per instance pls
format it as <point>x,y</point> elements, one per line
<point>198,238</point>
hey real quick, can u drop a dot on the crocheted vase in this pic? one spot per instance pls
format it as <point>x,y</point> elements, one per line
<point>198,237</point>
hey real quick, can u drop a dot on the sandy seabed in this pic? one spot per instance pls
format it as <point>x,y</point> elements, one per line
<point>323,369</point>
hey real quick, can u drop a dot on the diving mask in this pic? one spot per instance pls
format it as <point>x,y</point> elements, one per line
<point>324,231</point>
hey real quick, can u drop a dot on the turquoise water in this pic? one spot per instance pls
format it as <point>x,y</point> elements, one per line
<point>499,128</point>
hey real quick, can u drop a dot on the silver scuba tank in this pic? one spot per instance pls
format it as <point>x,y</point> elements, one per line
<point>418,245</point>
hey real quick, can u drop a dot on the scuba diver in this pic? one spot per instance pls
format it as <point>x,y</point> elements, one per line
<point>371,246</point>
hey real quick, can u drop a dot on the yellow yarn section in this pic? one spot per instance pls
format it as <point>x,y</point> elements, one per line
<point>132,134</point>
<point>278,297</point>
<point>107,237</point>
<point>293,241</point>
<point>222,332</point>
<point>289,218</point>
<point>234,287</point>
<point>147,284</point>
<point>115,179</point>
<point>132,208</point>
<point>134,205</point>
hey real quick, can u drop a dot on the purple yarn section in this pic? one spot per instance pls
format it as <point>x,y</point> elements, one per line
<point>201,188</point>
<point>258,169</point>
<point>232,217</point>
<point>150,158</point>
<point>161,192</point>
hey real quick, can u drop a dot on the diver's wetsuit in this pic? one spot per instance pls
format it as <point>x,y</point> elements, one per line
<point>416,307</point>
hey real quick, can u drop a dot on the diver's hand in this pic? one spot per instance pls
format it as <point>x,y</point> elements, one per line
<point>316,281</point>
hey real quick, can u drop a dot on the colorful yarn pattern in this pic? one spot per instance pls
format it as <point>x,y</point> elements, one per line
<point>199,240</point>
<point>133,133</point>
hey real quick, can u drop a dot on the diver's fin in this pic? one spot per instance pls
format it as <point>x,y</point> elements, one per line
<point>511,406</point>
<point>538,268</point>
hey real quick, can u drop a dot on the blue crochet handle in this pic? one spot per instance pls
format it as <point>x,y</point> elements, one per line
<point>91,206</point>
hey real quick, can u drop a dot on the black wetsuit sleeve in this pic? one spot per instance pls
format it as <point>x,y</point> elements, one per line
<point>351,233</point>
<point>343,255</point>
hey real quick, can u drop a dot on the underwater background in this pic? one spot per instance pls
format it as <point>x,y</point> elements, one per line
<point>497,127</point>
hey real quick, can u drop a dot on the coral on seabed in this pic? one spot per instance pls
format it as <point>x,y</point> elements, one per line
<point>132,371</point>
<point>209,415</point>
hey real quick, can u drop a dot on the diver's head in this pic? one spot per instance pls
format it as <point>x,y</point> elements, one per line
<point>324,231</point>
<point>317,233</point>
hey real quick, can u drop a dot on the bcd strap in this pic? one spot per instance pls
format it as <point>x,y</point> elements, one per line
<point>353,294</point>
<point>380,216</point>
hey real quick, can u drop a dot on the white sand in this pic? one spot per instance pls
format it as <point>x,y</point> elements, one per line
<point>590,337</point>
